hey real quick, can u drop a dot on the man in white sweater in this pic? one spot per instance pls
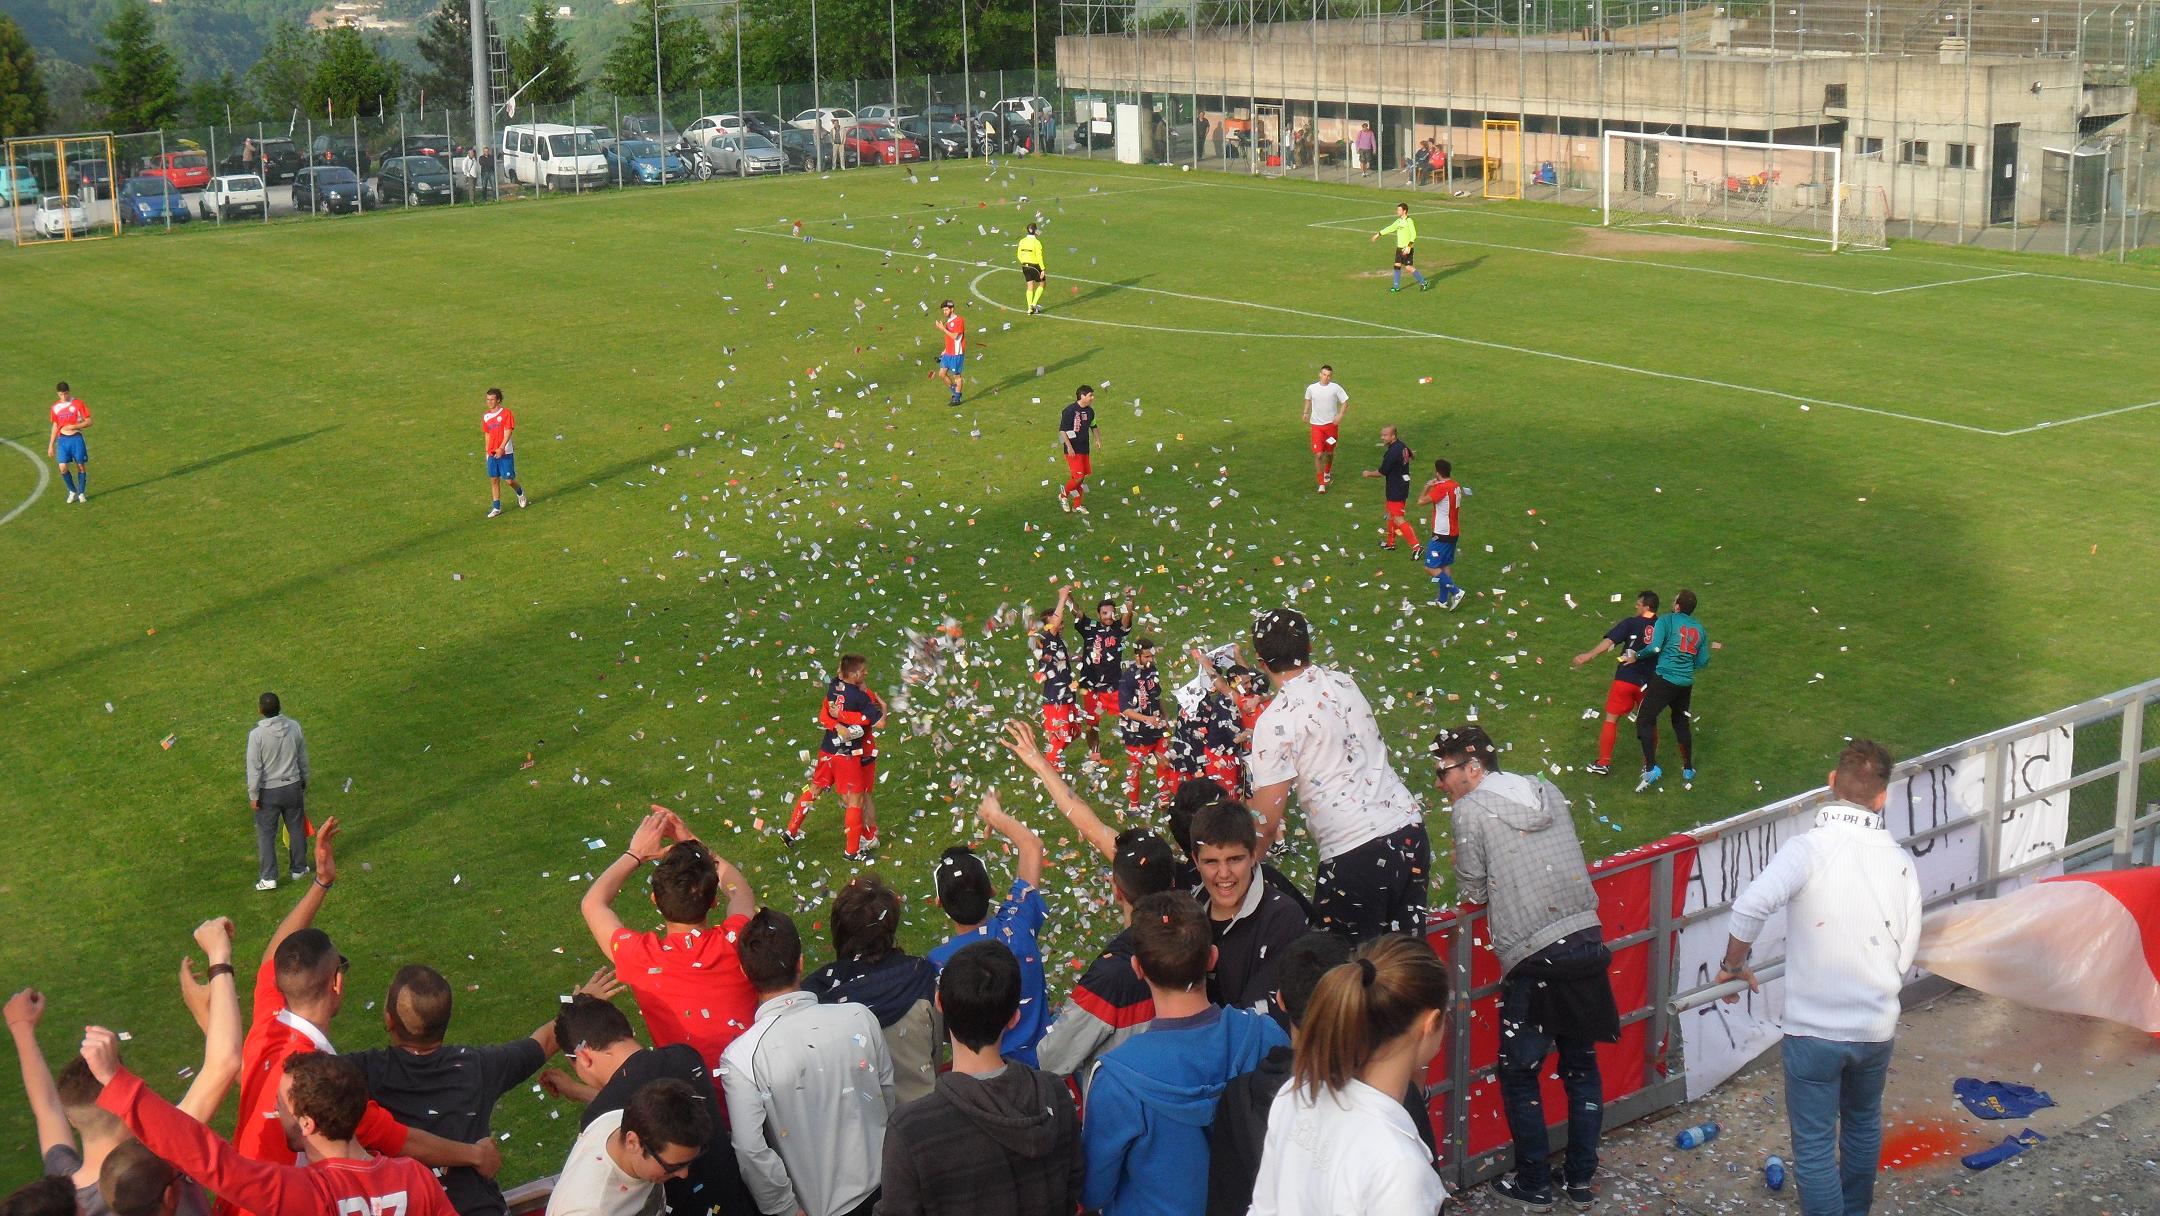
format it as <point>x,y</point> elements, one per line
<point>1852,928</point>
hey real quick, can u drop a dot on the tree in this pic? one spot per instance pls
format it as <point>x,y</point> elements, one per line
<point>445,75</point>
<point>22,89</point>
<point>351,76</point>
<point>541,47</point>
<point>281,78</point>
<point>138,83</point>
<point>687,55</point>
<point>216,101</point>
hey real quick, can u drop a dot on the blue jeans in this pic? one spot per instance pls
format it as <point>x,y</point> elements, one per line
<point>1523,1048</point>
<point>1833,1096</point>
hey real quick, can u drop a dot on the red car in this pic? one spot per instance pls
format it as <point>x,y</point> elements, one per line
<point>185,170</point>
<point>881,145</point>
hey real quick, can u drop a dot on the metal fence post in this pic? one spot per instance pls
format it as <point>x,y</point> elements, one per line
<point>1991,814</point>
<point>213,176</point>
<point>163,164</point>
<point>2126,783</point>
<point>1661,967</point>
<point>264,161</point>
<point>1457,1131</point>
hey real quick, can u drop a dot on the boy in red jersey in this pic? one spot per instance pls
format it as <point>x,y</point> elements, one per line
<point>66,445</point>
<point>847,755</point>
<point>1053,670</point>
<point>1446,496</point>
<point>496,425</point>
<point>954,361</point>
<point>321,1099</point>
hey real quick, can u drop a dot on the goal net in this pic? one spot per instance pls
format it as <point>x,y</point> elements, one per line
<point>1796,191</point>
<point>60,188</point>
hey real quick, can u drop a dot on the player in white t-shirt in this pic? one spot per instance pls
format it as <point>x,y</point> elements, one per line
<point>1325,405</point>
<point>1319,734</point>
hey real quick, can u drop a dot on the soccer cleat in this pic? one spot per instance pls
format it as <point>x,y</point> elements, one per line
<point>267,884</point>
<point>1389,547</point>
<point>82,496</point>
<point>956,398</point>
<point>870,843</point>
<point>1455,600</point>
<point>1393,290</point>
<point>1687,774</point>
<point>1425,286</point>
<point>1065,501</point>
<point>493,512</point>
<point>1599,770</point>
<point>1322,488</point>
<point>854,857</point>
<point>790,838</point>
<point>1649,778</point>
<point>1532,1201</point>
<point>71,496</point>
<point>521,502</point>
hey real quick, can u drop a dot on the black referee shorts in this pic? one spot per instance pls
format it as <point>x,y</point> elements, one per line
<point>1379,887</point>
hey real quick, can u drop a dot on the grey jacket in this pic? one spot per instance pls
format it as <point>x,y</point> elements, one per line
<point>808,1089</point>
<point>1516,851</point>
<point>276,756</point>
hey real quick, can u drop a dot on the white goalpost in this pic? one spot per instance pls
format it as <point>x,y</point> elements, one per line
<point>1794,191</point>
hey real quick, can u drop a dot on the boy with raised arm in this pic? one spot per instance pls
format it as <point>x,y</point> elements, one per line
<point>964,891</point>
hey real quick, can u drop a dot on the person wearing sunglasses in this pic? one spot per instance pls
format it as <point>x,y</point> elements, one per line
<point>622,1159</point>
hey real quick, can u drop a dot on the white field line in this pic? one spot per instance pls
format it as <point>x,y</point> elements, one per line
<point>975,289</point>
<point>44,478</point>
<point>2061,422</point>
<point>1478,343</point>
<point>901,215</point>
<point>2008,274</point>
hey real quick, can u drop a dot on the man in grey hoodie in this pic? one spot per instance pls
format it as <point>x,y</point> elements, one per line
<point>277,776</point>
<point>1516,852</point>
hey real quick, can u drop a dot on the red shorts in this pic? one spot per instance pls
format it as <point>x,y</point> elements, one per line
<point>1058,726</point>
<point>1137,752</point>
<point>1079,465</point>
<point>1323,439</point>
<point>1623,697</point>
<point>1095,706</point>
<point>821,774</point>
<point>1395,510</point>
<point>854,774</point>
<point>1227,769</point>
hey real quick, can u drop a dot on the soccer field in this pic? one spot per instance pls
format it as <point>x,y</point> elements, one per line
<point>1910,488</point>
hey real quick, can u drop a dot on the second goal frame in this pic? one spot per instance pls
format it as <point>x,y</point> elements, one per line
<point>1614,163</point>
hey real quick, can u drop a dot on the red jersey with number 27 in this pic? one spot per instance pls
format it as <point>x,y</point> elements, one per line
<point>955,334</point>
<point>497,424</point>
<point>70,413</point>
<point>1446,498</point>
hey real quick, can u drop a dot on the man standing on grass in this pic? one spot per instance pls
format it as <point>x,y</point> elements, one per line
<point>1446,495</point>
<point>1325,405</point>
<point>1053,671</point>
<point>1395,467</point>
<point>1678,649</point>
<point>1102,647</point>
<point>954,360</point>
<point>65,445</point>
<point>1076,429</point>
<point>1405,230</point>
<point>497,423</point>
<point>1626,693</point>
<point>277,776</point>
<point>1031,269</point>
<point>1141,725</point>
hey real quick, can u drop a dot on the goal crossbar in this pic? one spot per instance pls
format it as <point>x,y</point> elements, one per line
<point>1788,190</point>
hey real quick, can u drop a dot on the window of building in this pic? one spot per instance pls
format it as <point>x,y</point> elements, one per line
<point>1912,152</point>
<point>1960,156</point>
<point>1867,145</point>
<point>1833,97</point>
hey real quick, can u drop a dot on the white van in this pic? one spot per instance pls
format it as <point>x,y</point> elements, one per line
<point>552,155</point>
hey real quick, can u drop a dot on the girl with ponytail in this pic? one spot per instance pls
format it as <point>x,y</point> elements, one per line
<point>1338,1138</point>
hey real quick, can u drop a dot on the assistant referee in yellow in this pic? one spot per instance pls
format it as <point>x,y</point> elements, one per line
<point>1031,269</point>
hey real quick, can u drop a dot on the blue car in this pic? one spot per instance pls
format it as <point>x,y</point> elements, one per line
<point>152,200</point>
<point>636,162</point>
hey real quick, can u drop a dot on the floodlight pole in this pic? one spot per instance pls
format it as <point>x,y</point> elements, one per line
<point>483,115</point>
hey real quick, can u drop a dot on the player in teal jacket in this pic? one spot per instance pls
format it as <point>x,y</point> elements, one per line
<point>1678,649</point>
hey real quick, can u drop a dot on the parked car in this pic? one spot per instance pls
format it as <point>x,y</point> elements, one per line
<point>90,178</point>
<point>949,140</point>
<point>552,155</point>
<point>812,151</point>
<point>766,124</point>
<point>186,169</point>
<point>273,160</point>
<point>414,181</point>
<point>61,215</point>
<point>883,113</point>
<point>603,136</point>
<point>1026,109</point>
<point>881,145</point>
<point>712,127</point>
<point>828,120</point>
<point>645,126</point>
<point>1003,133</point>
<point>745,156</point>
<point>633,162</point>
<point>329,190</point>
<point>338,150</point>
<point>18,185</point>
<point>151,200</point>
<point>231,195</point>
<point>438,146</point>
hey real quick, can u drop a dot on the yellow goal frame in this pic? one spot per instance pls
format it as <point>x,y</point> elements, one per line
<point>1497,168</point>
<point>101,141</point>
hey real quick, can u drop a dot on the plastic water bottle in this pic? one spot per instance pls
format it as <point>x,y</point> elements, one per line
<point>1696,1136</point>
<point>1773,1173</point>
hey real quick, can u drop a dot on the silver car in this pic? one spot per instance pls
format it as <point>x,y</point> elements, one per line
<point>745,155</point>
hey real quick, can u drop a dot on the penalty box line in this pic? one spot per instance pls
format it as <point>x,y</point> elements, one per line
<point>901,215</point>
<point>1457,339</point>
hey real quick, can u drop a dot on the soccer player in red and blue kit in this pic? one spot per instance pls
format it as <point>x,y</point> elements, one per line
<point>1076,430</point>
<point>1629,680</point>
<point>497,424</point>
<point>1395,467</point>
<point>1445,495</point>
<point>1053,670</point>
<point>1142,726</point>
<point>855,712</point>
<point>954,360</point>
<point>1102,644</point>
<point>66,446</point>
<point>837,722</point>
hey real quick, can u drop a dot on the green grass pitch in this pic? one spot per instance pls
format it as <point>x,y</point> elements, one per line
<point>1892,478</point>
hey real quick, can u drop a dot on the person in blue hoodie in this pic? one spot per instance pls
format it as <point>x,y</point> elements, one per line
<point>1153,1097</point>
<point>870,969</point>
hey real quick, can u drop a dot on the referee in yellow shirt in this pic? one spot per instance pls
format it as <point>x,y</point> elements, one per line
<point>1031,269</point>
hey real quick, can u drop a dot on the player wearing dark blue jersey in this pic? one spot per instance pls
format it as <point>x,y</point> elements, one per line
<point>1142,724</point>
<point>1630,635</point>
<point>1054,672</point>
<point>1102,646</point>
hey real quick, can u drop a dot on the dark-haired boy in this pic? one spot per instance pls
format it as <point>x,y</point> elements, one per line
<point>847,755</point>
<point>620,1160</point>
<point>1153,1097</point>
<point>1054,673</point>
<point>450,1090</point>
<point>611,1066</point>
<point>687,979</point>
<point>870,969</point>
<point>1445,495</point>
<point>995,1135</point>
<point>1111,1003</point>
<point>1250,921</point>
<point>964,892</point>
<point>809,1087</point>
<point>1143,726</point>
<point>1102,644</point>
<point>1076,434</point>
